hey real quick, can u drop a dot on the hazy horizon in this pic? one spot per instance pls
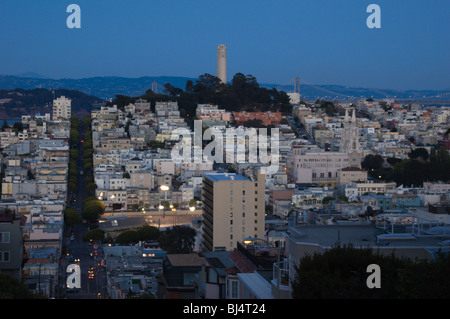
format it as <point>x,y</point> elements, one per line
<point>323,42</point>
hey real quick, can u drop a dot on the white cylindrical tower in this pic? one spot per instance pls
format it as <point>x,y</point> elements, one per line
<point>222,63</point>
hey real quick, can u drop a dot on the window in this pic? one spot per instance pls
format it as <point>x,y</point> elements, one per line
<point>189,278</point>
<point>234,289</point>
<point>4,237</point>
<point>4,256</point>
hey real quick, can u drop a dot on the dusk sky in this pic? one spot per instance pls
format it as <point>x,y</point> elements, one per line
<point>320,41</point>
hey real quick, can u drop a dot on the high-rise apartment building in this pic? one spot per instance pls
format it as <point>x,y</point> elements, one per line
<point>222,63</point>
<point>62,108</point>
<point>233,209</point>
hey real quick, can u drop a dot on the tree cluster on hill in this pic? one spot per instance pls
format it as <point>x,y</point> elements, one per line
<point>341,273</point>
<point>243,94</point>
<point>41,100</point>
<point>420,167</point>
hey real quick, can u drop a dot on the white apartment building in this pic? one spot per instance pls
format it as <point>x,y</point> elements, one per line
<point>62,108</point>
<point>316,167</point>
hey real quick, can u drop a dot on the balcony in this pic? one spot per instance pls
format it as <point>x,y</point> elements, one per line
<point>281,271</point>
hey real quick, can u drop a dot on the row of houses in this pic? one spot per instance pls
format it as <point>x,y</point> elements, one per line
<point>33,198</point>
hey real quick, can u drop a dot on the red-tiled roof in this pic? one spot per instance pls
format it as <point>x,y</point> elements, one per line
<point>242,263</point>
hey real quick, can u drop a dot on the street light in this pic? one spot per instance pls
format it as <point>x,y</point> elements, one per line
<point>173,211</point>
<point>112,202</point>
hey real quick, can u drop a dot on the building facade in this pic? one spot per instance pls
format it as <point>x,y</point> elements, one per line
<point>233,209</point>
<point>62,108</point>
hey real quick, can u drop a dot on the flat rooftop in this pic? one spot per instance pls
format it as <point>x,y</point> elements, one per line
<point>361,236</point>
<point>226,177</point>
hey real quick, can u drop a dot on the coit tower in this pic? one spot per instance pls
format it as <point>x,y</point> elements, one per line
<point>222,63</point>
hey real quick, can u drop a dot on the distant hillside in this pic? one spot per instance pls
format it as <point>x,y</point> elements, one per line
<point>103,87</point>
<point>108,87</point>
<point>17,102</point>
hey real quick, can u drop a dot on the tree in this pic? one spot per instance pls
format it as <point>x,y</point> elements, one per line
<point>178,240</point>
<point>393,160</point>
<point>127,237</point>
<point>71,216</point>
<point>341,273</point>
<point>92,208</point>
<point>193,203</point>
<point>147,232</point>
<point>11,288</point>
<point>94,234</point>
<point>5,125</point>
<point>144,233</point>
<point>165,204</point>
<point>420,153</point>
<point>372,162</point>
<point>18,126</point>
<point>189,86</point>
<point>327,199</point>
<point>91,187</point>
<point>426,279</point>
<point>172,90</point>
<point>87,120</point>
<point>72,186</point>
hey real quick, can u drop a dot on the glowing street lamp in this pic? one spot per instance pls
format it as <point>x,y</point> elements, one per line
<point>164,188</point>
